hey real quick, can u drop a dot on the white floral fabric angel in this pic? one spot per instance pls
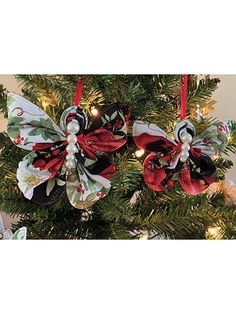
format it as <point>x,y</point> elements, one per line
<point>69,158</point>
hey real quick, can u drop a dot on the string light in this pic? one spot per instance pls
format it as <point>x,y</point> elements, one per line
<point>230,139</point>
<point>139,153</point>
<point>144,236</point>
<point>94,111</point>
<point>199,114</point>
<point>214,232</point>
<point>44,104</point>
<point>215,157</point>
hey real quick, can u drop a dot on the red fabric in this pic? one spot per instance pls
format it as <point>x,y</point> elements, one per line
<point>144,139</point>
<point>69,118</point>
<point>78,92</point>
<point>154,176</point>
<point>196,152</point>
<point>193,186</point>
<point>174,149</point>
<point>42,146</point>
<point>100,139</point>
<point>52,166</point>
<point>127,116</point>
<point>183,96</point>
<point>109,172</point>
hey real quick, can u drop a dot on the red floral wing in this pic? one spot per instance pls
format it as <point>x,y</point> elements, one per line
<point>151,138</point>
<point>107,132</point>
<point>113,118</point>
<point>99,140</point>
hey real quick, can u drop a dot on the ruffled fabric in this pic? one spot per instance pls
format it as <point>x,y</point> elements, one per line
<point>163,168</point>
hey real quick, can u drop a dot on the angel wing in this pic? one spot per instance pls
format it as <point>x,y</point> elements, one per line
<point>28,125</point>
<point>199,172</point>
<point>163,158</point>
<point>31,128</point>
<point>150,137</point>
<point>213,140</point>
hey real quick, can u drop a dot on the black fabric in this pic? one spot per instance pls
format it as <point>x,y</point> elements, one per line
<point>159,146</point>
<point>40,196</point>
<point>205,164</point>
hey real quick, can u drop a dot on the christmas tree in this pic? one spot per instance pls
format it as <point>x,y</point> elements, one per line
<point>131,210</point>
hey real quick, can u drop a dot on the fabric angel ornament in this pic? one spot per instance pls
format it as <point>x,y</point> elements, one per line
<point>186,158</point>
<point>71,157</point>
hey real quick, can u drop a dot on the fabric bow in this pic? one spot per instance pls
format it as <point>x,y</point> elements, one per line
<point>185,159</point>
<point>43,176</point>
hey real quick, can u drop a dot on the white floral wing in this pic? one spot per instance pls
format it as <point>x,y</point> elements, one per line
<point>213,140</point>
<point>20,234</point>
<point>29,125</point>
<point>84,188</point>
<point>5,234</point>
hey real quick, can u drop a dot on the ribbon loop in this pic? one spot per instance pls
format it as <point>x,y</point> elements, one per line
<point>78,92</point>
<point>183,96</point>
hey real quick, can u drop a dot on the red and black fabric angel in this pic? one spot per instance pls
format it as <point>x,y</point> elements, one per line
<point>185,159</point>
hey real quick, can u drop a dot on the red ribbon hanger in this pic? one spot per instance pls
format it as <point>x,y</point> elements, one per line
<point>78,92</point>
<point>183,96</point>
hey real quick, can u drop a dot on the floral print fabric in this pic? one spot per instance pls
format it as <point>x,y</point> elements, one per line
<point>163,168</point>
<point>42,175</point>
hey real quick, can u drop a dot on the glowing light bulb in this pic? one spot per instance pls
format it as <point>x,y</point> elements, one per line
<point>215,157</point>
<point>230,139</point>
<point>44,104</point>
<point>214,233</point>
<point>139,153</point>
<point>94,111</point>
<point>144,236</point>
